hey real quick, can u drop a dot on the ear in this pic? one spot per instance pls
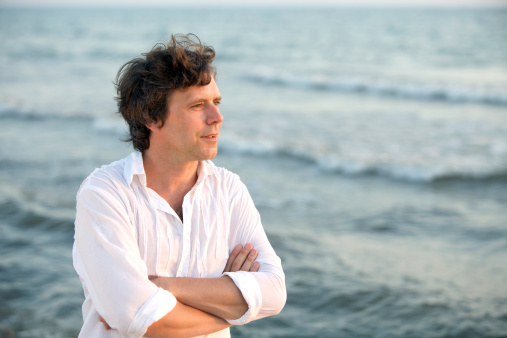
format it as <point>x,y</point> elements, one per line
<point>153,126</point>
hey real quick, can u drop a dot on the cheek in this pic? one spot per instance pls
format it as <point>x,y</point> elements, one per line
<point>195,127</point>
<point>187,129</point>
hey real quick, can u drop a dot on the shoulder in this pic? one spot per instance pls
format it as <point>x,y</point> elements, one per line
<point>224,174</point>
<point>108,178</point>
<point>227,179</point>
<point>230,183</point>
<point>106,198</point>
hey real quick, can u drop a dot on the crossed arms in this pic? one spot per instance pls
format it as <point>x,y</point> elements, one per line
<point>115,277</point>
<point>203,303</point>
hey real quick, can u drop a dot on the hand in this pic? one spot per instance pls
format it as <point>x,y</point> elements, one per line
<point>242,259</point>
<point>106,325</point>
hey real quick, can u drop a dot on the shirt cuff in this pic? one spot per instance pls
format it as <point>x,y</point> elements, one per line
<point>156,307</point>
<point>251,291</point>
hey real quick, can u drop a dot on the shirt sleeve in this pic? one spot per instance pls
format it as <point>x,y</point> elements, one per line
<point>264,291</point>
<point>107,259</point>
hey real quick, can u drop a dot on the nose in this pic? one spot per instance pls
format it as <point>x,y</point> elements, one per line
<point>213,115</point>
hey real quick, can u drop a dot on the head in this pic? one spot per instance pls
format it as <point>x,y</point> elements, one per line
<point>144,84</point>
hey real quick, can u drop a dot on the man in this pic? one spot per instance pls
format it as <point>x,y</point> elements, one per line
<point>167,244</point>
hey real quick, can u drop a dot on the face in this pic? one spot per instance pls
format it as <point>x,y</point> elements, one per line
<point>190,132</point>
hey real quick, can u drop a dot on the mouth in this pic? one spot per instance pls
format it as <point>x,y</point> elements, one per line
<point>210,137</point>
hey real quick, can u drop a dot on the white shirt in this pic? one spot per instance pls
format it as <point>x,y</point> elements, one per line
<point>125,232</point>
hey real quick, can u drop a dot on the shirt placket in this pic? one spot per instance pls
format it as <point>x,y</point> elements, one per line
<point>163,210</point>
<point>186,245</point>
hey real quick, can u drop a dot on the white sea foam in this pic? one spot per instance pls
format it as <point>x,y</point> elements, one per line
<point>478,93</point>
<point>402,168</point>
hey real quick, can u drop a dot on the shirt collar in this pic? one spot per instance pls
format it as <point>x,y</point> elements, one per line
<point>134,166</point>
<point>204,170</point>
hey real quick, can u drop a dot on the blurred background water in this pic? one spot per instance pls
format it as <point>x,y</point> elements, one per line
<point>373,142</point>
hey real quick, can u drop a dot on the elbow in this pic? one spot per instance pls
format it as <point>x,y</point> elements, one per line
<point>274,303</point>
<point>234,312</point>
<point>278,296</point>
<point>279,301</point>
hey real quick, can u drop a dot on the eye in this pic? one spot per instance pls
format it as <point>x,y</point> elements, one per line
<point>198,105</point>
<point>217,102</point>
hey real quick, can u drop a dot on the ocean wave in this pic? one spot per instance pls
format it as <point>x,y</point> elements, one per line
<point>99,124</point>
<point>92,53</point>
<point>107,125</point>
<point>484,94</point>
<point>400,172</point>
<point>9,112</point>
<point>30,215</point>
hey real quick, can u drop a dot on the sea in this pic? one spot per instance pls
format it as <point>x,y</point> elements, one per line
<point>373,142</point>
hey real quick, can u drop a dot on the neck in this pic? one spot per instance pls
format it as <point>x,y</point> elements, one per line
<point>167,176</point>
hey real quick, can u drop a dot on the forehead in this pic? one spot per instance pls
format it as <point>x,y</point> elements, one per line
<point>187,95</point>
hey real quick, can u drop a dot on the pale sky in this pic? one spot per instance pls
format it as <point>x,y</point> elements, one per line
<point>231,3</point>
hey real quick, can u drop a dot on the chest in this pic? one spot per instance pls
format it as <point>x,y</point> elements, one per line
<point>196,247</point>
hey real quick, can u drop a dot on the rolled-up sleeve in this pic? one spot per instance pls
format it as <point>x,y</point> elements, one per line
<point>107,259</point>
<point>264,291</point>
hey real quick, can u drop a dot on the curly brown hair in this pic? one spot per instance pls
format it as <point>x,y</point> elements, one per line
<point>144,84</point>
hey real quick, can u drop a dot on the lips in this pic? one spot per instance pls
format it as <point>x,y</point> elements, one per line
<point>210,137</point>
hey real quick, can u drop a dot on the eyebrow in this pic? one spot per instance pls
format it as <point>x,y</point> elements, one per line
<point>200,99</point>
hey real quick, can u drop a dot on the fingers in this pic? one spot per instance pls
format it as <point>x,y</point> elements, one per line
<point>106,325</point>
<point>232,257</point>
<point>255,267</point>
<point>242,259</point>
<point>250,258</point>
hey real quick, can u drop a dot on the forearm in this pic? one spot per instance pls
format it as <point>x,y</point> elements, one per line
<point>186,321</point>
<point>217,296</point>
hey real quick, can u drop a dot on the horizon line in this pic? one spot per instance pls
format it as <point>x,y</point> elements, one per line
<point>251,5</point>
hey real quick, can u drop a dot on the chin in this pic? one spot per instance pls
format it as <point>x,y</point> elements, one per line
<point>212,156</point>
<point>209,155</point>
